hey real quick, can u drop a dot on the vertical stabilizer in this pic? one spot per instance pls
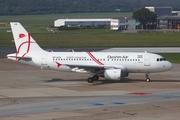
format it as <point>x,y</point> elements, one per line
<point>23,40</point>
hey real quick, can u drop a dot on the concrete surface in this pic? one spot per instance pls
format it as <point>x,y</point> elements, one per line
<point>27,93</point>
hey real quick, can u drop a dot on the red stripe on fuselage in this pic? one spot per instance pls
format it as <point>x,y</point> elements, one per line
<point>92,56</point>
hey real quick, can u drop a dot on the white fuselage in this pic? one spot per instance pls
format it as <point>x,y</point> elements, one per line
<point>127,61</point>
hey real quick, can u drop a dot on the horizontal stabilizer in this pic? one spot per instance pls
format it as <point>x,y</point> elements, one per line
<point>18,58</point>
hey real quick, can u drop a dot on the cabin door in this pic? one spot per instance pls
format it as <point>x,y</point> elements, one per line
<point>44,60</point>
<point>146,60</point>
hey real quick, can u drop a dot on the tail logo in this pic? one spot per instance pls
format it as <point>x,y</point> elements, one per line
<point>21,36</point>
<point>28,46</point>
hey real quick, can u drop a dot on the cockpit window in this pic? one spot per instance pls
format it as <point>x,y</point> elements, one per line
<point>164,59</point>
<point>161,59</point>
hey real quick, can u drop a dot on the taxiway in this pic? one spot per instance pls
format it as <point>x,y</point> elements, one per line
<point>28,92</point>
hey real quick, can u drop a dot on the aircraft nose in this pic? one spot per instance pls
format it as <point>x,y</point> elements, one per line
<point>169,65</point>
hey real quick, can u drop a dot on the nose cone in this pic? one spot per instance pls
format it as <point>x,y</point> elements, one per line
<point>169,65</point>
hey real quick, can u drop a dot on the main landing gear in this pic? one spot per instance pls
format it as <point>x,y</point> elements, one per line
<point>91,79</point>
<point>147,77</point>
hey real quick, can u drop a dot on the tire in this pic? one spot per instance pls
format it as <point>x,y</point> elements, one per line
<point>90,80</point>
<point>148,80</point>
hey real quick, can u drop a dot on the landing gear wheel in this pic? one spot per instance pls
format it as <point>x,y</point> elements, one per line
<point>95,77</point>
<point>148,79</point>
<point>90,80</point>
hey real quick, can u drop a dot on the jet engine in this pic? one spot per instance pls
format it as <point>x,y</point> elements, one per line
<point>112,74</point>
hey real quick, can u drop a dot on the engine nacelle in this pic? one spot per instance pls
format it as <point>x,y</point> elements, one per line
<point>112,74</point>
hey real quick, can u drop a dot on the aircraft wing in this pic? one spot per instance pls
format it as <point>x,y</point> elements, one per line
<point>91,68</point>
<point>95,68</point>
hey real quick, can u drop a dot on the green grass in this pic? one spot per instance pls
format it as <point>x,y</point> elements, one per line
<point>36,25</point>
<point>48,20</point>
<point>95,38</point>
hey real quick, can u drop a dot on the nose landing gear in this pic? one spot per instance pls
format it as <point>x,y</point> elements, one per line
<point>147,77</point>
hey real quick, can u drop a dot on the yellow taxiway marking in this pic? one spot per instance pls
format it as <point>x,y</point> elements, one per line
<point>9,103</point>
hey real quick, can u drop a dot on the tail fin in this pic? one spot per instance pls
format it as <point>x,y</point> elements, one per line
<point>23,40</point>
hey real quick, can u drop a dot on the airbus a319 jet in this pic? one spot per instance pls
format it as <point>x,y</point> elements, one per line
<point>110,65</point>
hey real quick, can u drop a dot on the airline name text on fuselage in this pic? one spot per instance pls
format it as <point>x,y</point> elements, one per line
<point>116,56</point>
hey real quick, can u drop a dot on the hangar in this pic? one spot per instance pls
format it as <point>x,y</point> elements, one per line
<point>168,22</point>
<point>82,22</point>
<point>113,24</point>
<point>161,11</point>
<point>166,18</point>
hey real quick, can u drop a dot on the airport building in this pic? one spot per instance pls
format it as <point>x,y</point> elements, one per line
<point>82,22</point>
<point>168,22</point>
<point>113,24</point>
<point>166,18</point>
<point>125,24</point>
<point>161,11</point>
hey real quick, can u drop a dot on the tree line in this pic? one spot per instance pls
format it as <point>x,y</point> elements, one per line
<point>34,7</point>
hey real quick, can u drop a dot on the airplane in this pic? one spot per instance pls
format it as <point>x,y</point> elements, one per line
<point>110,65</point>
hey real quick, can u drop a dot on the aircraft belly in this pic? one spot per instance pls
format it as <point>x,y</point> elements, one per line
<point>140,69</point>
